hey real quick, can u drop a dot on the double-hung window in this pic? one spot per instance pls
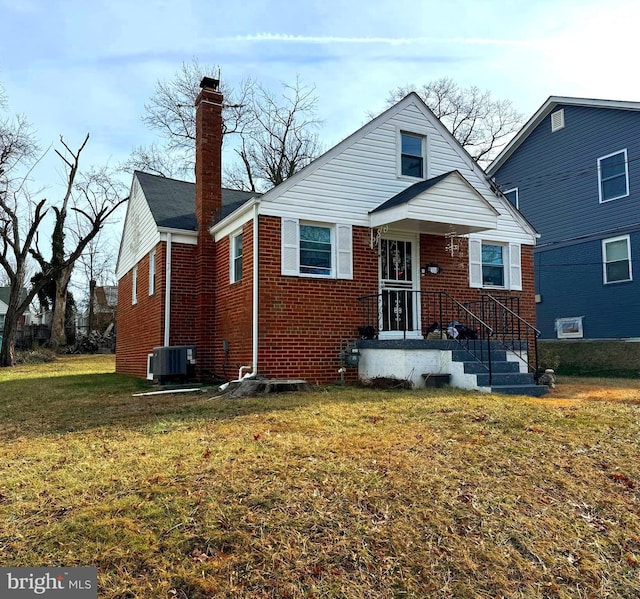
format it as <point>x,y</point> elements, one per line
<point>616,259</point>
<point>492,265</point>
<point>495,265</point>
<point>152,272</point>
<point>613,176</point>
<point>236,258</point>
<point>412,155</point>
<point>316,255</point>
<point>134,285</point>
<point>311,249</point>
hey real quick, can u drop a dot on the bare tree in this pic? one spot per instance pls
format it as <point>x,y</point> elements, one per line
<point>94,197</point>
<point>20,218</point>
<point>478,121</point>
<point>271,135</point>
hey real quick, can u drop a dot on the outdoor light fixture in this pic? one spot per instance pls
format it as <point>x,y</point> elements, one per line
<point>431,268</point>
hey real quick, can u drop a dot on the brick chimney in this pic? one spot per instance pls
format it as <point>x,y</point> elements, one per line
<point>208,202</point>
<point>208,153</point>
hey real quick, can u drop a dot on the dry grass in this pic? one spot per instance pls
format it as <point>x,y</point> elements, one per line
<point>337,493</point>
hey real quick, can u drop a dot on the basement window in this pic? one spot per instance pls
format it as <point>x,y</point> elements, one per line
<point>569,328</point>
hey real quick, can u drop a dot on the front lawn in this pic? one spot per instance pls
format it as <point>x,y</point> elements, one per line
<point>341,492</point>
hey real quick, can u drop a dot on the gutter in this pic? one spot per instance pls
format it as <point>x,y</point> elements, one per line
<point>167,293</point>
<point>256,278</point>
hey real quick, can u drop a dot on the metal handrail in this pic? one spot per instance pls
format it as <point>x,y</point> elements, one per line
<point>536,333</point>
<point>453,311</point>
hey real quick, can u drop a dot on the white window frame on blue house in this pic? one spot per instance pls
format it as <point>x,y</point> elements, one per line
<point>606,262</point>
<point>513,191</point>
<point>602,180</point>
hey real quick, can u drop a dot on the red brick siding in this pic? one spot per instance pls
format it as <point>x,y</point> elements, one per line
<point>140,325</point>
<point>234,308</point>
<point>454,277</point>
<point>182,329</point>
<point>302,320</point>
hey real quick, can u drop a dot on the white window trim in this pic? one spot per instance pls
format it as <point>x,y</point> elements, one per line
<point>604,259</point>
<point>290,249</point>
<point>232,256</point>
<point>579,334</point>
<point>626,174</point>
<point>134,285</point>
<point>512,264</point>
<point>517,196</point>
<point>152,272</point>
<point>425,158</point>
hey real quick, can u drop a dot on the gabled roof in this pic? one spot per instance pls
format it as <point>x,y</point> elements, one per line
<point>427,206</point>
<point>543,112</point>
<point>172,202</point>
<point>411,192</point>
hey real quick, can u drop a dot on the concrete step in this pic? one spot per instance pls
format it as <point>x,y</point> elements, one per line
<point>482,368</point>
<point>505,378</point>
<point>462,355</point>
<point>531,390</point>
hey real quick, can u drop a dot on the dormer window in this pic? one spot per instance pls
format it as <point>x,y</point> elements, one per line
<point>412,155</point>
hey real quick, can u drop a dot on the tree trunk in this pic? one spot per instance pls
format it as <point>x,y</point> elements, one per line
<point>58,335</point>
<point>92,291</point>
<point>11,319</point>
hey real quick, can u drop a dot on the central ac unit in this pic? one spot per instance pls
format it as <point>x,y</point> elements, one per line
<point>173,362</point>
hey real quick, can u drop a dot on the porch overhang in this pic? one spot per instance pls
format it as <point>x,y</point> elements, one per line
<point>436,205</point>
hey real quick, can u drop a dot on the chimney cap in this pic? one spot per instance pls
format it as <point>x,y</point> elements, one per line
<point>210,83</point>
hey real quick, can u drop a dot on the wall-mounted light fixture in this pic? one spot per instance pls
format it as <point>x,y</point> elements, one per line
<point>432,269</point>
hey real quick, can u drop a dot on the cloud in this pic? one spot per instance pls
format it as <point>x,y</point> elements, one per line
<point>390,41</point>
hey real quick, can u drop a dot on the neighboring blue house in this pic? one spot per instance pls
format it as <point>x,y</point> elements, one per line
<point>574,172</point>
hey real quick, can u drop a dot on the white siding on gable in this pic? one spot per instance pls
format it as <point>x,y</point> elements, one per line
<point>140,234</point>
<point>347,185</point>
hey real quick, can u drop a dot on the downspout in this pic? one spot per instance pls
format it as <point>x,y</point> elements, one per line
<point>167,293</point>
<point>256,254</point>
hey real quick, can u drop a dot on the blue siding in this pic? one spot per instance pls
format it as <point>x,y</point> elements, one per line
<point>557,173</point>
<point>557,179</point>
<point>570,281</point>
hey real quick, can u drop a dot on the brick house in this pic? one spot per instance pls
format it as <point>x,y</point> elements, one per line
<point>391,232</point>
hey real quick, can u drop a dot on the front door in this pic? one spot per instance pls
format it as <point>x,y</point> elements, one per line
<point>398,315</point>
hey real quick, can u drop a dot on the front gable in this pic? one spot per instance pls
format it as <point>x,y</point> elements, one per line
<point>427,207</point>
<point>362,172</point>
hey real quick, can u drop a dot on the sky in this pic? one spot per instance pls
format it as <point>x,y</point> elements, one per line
<point>78,66</point>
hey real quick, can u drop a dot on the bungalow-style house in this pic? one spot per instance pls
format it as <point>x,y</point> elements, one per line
<point>572,170</point>
<point>389,255</point>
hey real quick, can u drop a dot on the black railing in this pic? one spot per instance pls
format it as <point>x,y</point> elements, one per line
<point>510,329</point>
<point>430,314</point>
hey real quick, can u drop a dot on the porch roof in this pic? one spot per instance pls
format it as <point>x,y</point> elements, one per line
<point>435,205</point>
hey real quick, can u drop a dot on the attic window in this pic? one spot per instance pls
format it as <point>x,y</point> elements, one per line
<point>557,120</point>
